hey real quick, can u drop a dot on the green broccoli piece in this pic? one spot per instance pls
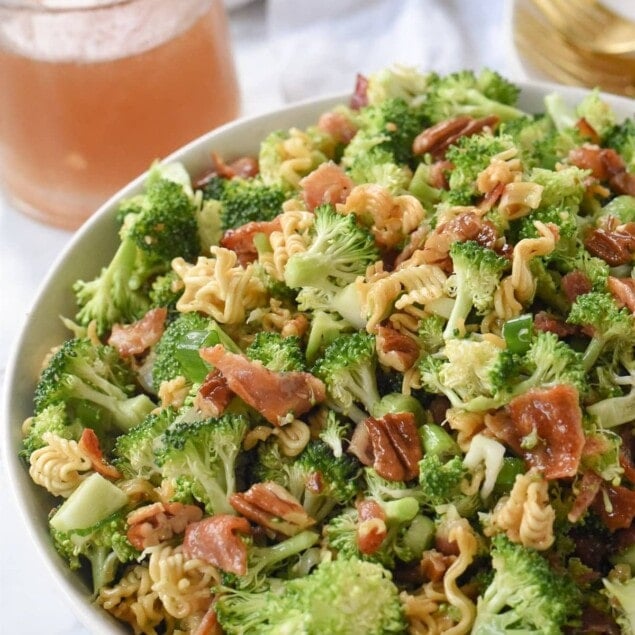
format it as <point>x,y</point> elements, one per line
<point>159,227</point>
<point>52,419</point>
<point>421,186</point>
<point>277,353</point>
<point>340,250</point>
<point>201,459</point>
<point>526,595</point>
<point>342,596</point>
<point>617,410</point>
<point>622,596</point>
<point>176,353</point>
<point>568,232</point>
<point>324,328</point>
<point>397,82</point>
<point>613,327</point>
<point>430,333</point>
<point>477,272</point>
<point>334,433</point>
<point>469,156</point>
<point>348,370</point>
<point>166,291</point>
<point>136,450</point>
<point>244,200</point>
<point>388,126</point>
<point>621,207</point>
<point>562,189</point>
<point>597,112</point>
<point>95,385</point>
<point>465,93</point>
<point>378,166</point>
<point>103,545</point>
<point>622,139</point>
<point>441,483</point>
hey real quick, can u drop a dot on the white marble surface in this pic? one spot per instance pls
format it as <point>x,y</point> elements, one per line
<point>285,50</point>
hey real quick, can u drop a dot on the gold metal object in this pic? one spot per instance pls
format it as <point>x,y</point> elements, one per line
<point>549,51</point>
<point>589,25</point>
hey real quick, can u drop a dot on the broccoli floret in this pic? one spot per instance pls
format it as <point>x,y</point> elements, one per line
<point>562,189</point>
<point>161,227</point>
<point>244,200</point>
<point>462,371</point>
<point>622,596</point>
<point>340,250</point>
<point>397,82</point>
<point>53,419</point>
<point>103,545</point>
<point>334,433</point>
<point>421,186</point>
<point>469,156</point>
<point>597,113</point>
<point>526,595</point>
<point>378,166</point>
<point>343,301</point>
<point>613,327</point>
<point>166,291</point>
<point>135,451</point>
<point>621,207</point>
<point>95,385</point>
<point>548,361</point>
<point>430,333</point>
<point>348,370</point>
<point>277,353</point>
<point>477,272</point>
<point>325,327</point>
<point>176,353</point>
<point>465,93</point>
<point>617,410</point>
<point>595,269</point>
<point>442,483</point>
<point>567,223</point>
<point>622,139</point>
<point>201,459</point>
<point>342,596</point>
<point>389,126</point>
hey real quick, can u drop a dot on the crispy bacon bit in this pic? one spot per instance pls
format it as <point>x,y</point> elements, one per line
<point>623,290</point>
<point>135,338</point>
<point>241,239</point>
<point>271,506</point>
<point>209,624</point>
<point>89,444</point>
<point>438,138</point>
<point>552,419</point>
<point>588,488</point>
<point>371,528</point>
<point>627,451</point>
<point>273,395</point>
<point>593,621</point>
<point>359,98</point>
<point>215,540</point>
<point>616,247</point>
<point>434,564</point>
<point>396,350</point>
<point>214,395</point>
<point>465,226</point>
<point>395,445</point>
<point>549,323</point>
<point>338,125</point>
<point>246,167</point>
<point>619,511</point>
<point>328,183</point>
<point>575,283</point>
<point>152,524</point>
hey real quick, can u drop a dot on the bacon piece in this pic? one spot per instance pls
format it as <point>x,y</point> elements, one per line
<point>135,338</point>
<point>328,183</point>
<point>623,290</point>
<point>241,239</point>
<point>588,488</point>
<point>273,395</point>
<point>271,506</point>
<point>627,452</point>
<point>396,446</point>
<point>553,415</point>
<point>396,350</point>
<point>371,528</point>
<point>215,540</point>
<point>620,511</point>
<point>338,125</point>
<point>615,247</point>
<point>245,167</point>
<point>548,323</point>
<point>214,395</point>
<point>209,624</point>
<point>89,444</point>
<point>434,564</point>
<point>575,283</point>
<point>359,98</point>
<point>153,524</point>
<point>605,165</point>
<point>593,621</point>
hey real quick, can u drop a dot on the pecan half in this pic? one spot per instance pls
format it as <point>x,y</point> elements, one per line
<point>623,290</point>
<point>396,446</point>
<point>616,247</point>
<point>152,524</point>
<point>214,395</point>
<point>396,350</point>
<point>272,507</point>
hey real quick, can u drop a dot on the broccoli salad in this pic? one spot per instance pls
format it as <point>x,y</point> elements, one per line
<point>378,378</point>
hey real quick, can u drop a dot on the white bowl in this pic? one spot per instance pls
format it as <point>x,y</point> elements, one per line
<point>92,248</point>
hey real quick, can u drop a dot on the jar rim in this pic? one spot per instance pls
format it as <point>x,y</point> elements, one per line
<point>60,6</point>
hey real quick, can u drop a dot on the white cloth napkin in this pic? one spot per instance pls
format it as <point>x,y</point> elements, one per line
<point>320,45</point>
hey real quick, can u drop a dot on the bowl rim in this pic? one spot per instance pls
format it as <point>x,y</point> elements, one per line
<point>23,490</point>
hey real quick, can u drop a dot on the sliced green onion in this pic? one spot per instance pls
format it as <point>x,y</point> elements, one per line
<point>518,332</point>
